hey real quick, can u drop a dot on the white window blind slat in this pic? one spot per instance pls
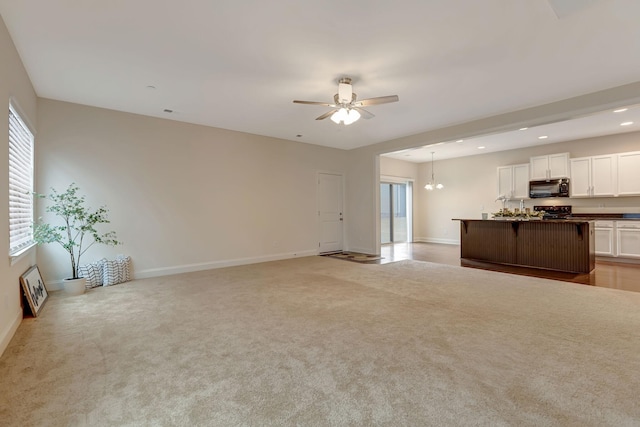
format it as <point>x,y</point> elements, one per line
<point>20,183</point>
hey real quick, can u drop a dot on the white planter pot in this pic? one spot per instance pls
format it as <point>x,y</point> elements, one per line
<point>75,286</point>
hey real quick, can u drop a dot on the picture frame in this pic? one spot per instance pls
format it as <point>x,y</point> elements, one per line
<point>34,289</point>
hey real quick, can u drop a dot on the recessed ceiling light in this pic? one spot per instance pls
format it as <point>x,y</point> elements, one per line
<point>482,147</point>
<point>543,137</point>
<point>620,110</point>
<point>298,136</point>
<point>151,87</point>
<point>524,128</point>
<point>460,140</point>
<point>626,123</point>
<point>166,110</point>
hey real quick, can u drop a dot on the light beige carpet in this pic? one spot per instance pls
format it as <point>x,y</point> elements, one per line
<point>317,341</point>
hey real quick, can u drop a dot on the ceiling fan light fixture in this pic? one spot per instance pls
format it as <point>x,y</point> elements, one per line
<point>345,104</point>
<point>345,115</point>
<point>340,116</point>
<point>352,116</point>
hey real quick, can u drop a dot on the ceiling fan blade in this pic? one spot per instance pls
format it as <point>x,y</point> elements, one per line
<point>376,101</point>
<point>326,104</point>
<point>325,115</point>
<point>364,113</point>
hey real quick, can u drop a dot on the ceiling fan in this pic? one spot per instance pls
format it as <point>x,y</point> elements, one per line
<point>346,108</point>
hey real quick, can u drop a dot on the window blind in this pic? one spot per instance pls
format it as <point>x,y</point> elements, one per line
<point>20,183</point>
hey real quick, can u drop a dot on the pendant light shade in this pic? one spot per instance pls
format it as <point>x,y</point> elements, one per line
<point>433,183</point>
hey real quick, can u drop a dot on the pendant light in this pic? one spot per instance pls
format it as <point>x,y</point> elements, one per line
<point>433,183</point>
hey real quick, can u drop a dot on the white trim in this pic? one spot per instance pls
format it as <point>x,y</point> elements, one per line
<point>395,179</point>
<point>21,253</point>
<point>436,240</point>
<point>188,268</point>
<point>8,333</point>
<point>13,103</point>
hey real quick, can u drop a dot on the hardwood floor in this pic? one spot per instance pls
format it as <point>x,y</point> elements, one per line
<point>606,274</point>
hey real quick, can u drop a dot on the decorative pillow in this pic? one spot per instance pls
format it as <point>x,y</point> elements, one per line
<point>124,266</point>
<point>93,273</point>
<point>116,271</point>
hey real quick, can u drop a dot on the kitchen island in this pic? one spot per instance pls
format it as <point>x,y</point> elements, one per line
<point>560,245</point>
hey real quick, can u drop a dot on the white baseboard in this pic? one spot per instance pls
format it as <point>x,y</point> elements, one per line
<point>617,260</point>
<point>436,240</point>
<point>57,285</point>
<point>187,268</point>
<point>10,331</point>
<point>54,285</point>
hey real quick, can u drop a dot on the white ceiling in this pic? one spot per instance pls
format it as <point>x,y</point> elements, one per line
<point>238,64</point>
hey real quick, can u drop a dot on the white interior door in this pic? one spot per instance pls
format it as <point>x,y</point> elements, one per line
<point>330,212</point>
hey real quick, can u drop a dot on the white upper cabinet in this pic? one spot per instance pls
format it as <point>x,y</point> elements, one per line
<point>628,175</point>
<point>521,181</point>
<point>513,181</point>
<point>593,176</point>
<point>603,176</point>
<point>505,181</point>
<point>580,182</point>
<point>551,166</point>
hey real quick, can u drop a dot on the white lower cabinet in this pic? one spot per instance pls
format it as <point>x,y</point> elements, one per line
<point>605,235</point>
<point>628,236</point>
<point>617,239</point>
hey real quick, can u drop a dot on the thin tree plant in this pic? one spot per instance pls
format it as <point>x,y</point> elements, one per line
<point>77,233</point>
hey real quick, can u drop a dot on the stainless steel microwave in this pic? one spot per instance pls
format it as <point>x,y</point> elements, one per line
<point>549,188</point>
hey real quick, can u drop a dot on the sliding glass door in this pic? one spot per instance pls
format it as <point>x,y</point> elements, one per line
<point>395,221</point>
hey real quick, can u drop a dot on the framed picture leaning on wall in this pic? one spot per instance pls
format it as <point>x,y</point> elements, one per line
<point>34,289</point>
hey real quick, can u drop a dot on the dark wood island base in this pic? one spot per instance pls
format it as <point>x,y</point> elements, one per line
<point>560,245</point>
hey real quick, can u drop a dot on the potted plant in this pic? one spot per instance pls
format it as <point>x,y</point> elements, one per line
<point>76,234</point>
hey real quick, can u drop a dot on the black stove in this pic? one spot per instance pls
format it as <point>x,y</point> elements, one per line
<point>554,212</point>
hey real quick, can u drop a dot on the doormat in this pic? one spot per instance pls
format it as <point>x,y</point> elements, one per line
<point>354,256</point>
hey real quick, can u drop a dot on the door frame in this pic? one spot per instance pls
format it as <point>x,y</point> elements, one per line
<point>398,180</point>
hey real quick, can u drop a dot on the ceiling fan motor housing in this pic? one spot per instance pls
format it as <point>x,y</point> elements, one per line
<point>345,90</point>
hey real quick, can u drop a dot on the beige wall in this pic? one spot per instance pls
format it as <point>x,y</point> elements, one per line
<point>398,168</point>
<point>15,85</point>
<point>181,197</point>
